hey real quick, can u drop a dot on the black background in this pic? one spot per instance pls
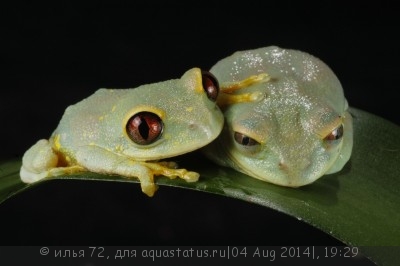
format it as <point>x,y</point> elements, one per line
<point>52,56</point>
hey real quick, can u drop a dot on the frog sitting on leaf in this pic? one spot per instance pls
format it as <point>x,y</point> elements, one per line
<point>286,122</point>
<point>126,131</point>
<point>286,117</point>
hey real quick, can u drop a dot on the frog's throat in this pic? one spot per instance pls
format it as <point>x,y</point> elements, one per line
<point>227,97</point>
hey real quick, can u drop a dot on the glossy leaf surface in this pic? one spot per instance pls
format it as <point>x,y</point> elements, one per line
<point>360,206</point>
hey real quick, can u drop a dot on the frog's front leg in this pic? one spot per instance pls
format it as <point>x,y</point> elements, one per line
<point>99,160</point>
<point>230,87</point>
<point>227,97</point>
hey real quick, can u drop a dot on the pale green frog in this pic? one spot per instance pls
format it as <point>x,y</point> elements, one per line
<point>288,124</point>
<point>126,131</point>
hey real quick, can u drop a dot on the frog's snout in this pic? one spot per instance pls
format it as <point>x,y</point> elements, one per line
<point>282,166</point>
<point>301,172</point>
<point>295,170</point>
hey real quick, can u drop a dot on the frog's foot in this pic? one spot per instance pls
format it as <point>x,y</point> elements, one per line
<point>227,97</point>
<point>29,176</point>
<point>171,165</point>
<point>231,87</point>
<point>163,168</point>
<point>146,171</point>
<point>225,100</point>
<point>37,160</point>
<point>40,161</point>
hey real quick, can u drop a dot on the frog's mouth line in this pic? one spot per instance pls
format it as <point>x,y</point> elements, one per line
<point>239,166</point>
<point>247,171</point>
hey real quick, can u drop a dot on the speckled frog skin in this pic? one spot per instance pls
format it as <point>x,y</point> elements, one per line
<point>294,130</point>
<point>126,131</point>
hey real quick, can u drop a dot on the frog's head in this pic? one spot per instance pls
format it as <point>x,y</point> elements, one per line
<point>173,117</point>
<point>287,140</point>
<point>298,131</point>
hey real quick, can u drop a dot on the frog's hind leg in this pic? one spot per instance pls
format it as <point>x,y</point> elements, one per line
<point>40,161</point>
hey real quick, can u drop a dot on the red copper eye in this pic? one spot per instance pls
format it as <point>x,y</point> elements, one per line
<point>210,85</point>
<point>144,128</point>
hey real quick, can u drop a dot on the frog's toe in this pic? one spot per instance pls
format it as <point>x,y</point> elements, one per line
<point>181,173</point>
<point>171,165</point>
<point>191,176</point>
<point>148,189</point>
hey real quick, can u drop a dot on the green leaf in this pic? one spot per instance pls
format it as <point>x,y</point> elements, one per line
<point>360,206</point>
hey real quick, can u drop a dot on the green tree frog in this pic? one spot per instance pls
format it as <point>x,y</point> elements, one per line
<point>288,124</point>
<point>127,131</point>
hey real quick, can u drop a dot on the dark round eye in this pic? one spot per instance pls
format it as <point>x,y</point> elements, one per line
<point>244,140</point>
<point>336,134</point>
<point>210,85</point>
<point>144,128</point>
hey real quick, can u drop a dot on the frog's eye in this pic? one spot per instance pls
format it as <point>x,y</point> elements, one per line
<point>144,128</point>
<point>244,140</point>
<point>336,134</point>
<point>210,85</point>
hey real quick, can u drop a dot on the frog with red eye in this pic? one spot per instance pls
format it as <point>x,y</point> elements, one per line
<point>288,124</point>
<point>127,131</point>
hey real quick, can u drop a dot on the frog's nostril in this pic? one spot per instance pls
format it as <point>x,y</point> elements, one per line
<point>192,126</point>
<point>282,166</point>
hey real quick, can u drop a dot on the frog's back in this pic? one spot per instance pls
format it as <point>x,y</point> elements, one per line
<point>97,103</point>
<point>81,122</point>
<point>297,131</point>
<point>312,76</point>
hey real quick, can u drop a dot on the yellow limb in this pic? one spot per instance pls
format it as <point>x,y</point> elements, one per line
<point>228,88</point>
<point>225,100</point>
